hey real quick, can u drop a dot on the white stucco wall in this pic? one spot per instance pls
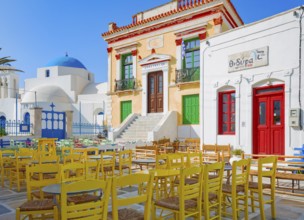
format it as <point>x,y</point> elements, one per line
<point>280,34</point>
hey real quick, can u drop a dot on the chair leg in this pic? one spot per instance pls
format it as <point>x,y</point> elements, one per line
<point>56,215</point>
<point>234,208</point>
<point>273,207</point>
<point>246,206</point>
<point>18,214</point>
<point>252,201</point>
<point>2,177</point>
<point>261,206</point>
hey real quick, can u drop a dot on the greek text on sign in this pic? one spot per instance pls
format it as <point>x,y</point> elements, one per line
<point>248,59</point>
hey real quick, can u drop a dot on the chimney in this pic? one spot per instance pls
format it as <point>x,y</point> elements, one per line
<point>112,26</point>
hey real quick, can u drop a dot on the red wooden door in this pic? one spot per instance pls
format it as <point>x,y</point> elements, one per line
<point>155,92</point>
<point>268,120</point>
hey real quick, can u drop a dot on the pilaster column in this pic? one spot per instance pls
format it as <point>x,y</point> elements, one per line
<point>178,43</point>
<point>118,67</point>
<point>109,69</point>
<point>134,60</point>
<point>217,25</point>
<point>36,120</point>
<point>69,124</point>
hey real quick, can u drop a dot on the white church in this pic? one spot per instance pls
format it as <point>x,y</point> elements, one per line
<point>62,85</point>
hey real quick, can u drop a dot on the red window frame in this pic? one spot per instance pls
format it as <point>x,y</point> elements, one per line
<point>229,112</point>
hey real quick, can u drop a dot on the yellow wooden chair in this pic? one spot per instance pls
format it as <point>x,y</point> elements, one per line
<point>194,159</point>
<point>48,159</point>
<point>82,151</point>
<point>259,186</point>
<point>124,161</point>
<point>212,186</point>
<point>188,202</point>
<point>18,173</point>
<point>238,190</point>
<point>6,164</point>
<point>176,161</point>
<point>107,165</point>
<point>143,196</point>
<point>66,150</point>
<point>39,176</point>
<point>38,204</point>
<point>72,158</point>
<point>90,209</point>
<point>92,169</point>
<point>72,172</point>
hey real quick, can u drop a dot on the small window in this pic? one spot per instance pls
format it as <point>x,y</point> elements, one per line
<point>47,73</point>
<point>227,112</point>
<point>191,109</point>
<point>89,77</point>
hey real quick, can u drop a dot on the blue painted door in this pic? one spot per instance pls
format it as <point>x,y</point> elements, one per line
<point>53,124</point>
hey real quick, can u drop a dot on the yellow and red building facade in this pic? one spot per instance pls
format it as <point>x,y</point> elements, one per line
<point>154,64</point>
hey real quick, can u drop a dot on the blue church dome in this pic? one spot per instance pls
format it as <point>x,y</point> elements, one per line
<point>67,62</point>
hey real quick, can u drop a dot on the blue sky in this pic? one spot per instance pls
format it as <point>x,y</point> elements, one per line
<point>37,31</point>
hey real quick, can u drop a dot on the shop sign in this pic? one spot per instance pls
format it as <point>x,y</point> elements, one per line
<point>248,59</point>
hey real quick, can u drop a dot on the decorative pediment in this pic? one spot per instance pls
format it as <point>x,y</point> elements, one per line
<point>154,58</point>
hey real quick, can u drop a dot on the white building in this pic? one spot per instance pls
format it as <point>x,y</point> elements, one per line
<point>64,82</point>
<point>251,86</point>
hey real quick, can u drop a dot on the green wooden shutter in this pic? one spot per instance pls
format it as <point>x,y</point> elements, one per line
<point>125,109</point>
<point>191,109</point>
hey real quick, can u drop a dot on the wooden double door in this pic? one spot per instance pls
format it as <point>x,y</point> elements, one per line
<point>268,120</point>
<point>155,92</point>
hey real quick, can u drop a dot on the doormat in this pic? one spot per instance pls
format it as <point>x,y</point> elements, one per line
<point>4,210</point>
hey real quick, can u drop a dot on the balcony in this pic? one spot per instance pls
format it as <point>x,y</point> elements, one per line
<point>124,84</point>
<point>187,75</point>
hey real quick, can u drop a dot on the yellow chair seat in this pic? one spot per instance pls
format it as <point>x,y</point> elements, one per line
<point>188,181</point>
<point>35,205</point>
<point>254,185</point>
<point>226,188</point>
<point>127,213</point>
<point>36,194</point>
<point>173,203</point>
<point>83,198</point>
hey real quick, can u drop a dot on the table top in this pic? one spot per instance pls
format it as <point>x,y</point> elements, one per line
<point>46,161</point>
<point>162,172</point>
<point>56,189</point>
<point>96,157</point>
<point>144,160</point>
<point>21,157</point>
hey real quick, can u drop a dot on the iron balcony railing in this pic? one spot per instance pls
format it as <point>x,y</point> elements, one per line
<point>187,75</point>
<point>125,84</point>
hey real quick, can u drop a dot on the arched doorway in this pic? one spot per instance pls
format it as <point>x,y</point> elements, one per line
<point>2,121</point>
<point>27,119</point>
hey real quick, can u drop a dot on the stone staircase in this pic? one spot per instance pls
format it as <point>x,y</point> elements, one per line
<point>139,128</point>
